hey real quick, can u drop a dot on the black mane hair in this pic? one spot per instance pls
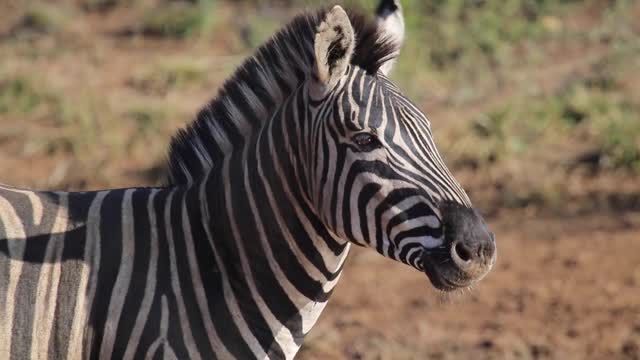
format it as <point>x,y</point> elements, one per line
<point>275,70</point>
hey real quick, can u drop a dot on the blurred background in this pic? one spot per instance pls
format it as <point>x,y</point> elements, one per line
<point>535,106</point>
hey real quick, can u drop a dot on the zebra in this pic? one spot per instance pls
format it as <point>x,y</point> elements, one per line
<point>307,149</point>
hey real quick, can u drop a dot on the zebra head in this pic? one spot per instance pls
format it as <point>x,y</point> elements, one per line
<point>375,175</point>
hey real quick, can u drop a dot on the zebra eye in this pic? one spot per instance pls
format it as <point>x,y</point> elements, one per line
<point>365,139</point>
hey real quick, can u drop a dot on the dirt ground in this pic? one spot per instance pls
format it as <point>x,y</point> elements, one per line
<point>564,286</point>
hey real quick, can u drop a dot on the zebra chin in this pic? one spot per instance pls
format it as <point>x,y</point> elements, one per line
<point>467,254</point>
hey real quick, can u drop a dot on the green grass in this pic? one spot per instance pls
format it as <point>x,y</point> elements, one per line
<point>44,18</point>
<point>595,117</point>
<point>102,5</point>
<point>257,29</point>
<point>20,96</point>
<point>148,121</point>
<point>82,122</point>
<point>169,75</point>
<point>73,125</point>
<point>178,19</point>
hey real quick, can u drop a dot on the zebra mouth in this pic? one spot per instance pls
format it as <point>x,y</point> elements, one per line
<point>443,273</point>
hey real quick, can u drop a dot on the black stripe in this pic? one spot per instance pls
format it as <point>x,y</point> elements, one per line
<point>159,354</point>
<point>364,197</point>
<point>151,329</point>
<point>283,254</point>
<point>231,257</point>
<point>417,210</point>
<point>210,274</point>
<point>194,316</point>
<point>294,224</point>
<point>393,198</point>
<point>174,331</point>
<point>110,259</point>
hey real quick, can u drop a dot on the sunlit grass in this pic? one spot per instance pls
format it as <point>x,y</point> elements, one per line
<point>20,95</point>
<point>584,118</point>
<point>44,17</point>
<point>178,19</point>
<point>169,75</point>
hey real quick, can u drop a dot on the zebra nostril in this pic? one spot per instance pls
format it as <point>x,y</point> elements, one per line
<point>462,251</point>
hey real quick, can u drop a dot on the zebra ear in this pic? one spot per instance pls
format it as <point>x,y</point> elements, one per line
<point>334,44</point>
<point>391,24</point>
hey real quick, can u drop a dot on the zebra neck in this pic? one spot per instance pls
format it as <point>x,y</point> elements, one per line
<point>280,262</point>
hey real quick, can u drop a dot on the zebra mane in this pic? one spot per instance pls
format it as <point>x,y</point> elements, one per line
<point>259,85</point>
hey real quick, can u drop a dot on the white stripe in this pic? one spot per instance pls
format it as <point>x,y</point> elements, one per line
<point>48,280</point>
<point>202,153</point>
<point>36,203</point>
<point>164,328</point>
<point>88,279</point>
<point>428,220</point>
<point>15,235</point>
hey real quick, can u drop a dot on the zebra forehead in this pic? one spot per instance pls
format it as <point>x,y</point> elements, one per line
<point>378,103</point>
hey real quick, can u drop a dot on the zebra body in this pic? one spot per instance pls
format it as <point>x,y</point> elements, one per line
<point>307,149</point>
<point>135,272</point>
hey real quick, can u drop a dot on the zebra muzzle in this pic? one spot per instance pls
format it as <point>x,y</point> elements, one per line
<point>468,253</point>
